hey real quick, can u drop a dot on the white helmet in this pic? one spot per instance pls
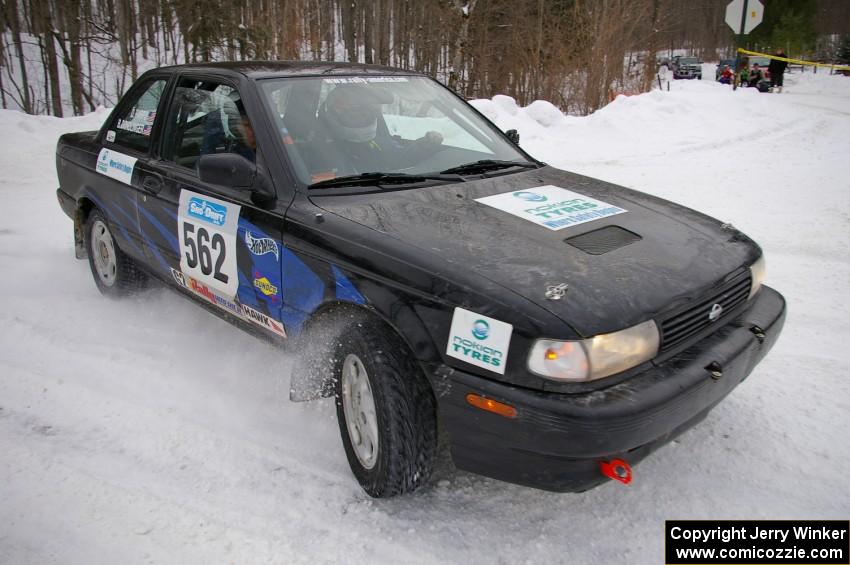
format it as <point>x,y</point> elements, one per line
<point>351,113</point>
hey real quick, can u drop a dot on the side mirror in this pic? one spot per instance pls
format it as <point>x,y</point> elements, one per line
<point>513,135</point>
<point>234,171</point>
<point>227,169</point>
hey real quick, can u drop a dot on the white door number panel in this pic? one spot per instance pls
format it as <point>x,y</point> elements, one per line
<point>479,340</point>
<point>206,228</point>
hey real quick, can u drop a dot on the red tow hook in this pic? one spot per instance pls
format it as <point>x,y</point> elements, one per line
<point>617,469</point>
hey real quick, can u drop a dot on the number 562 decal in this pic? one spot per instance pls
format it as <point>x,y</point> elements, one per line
<point>206,228</point>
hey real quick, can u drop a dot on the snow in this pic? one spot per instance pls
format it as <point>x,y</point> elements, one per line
<point>148,430</point>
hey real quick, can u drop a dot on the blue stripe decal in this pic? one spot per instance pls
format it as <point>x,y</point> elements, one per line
<point>345,291</point>
<point>150,244</point>
<point>301,291</point>
<point>246,293</point>
<point>121,227</point>
<point>172,240</point>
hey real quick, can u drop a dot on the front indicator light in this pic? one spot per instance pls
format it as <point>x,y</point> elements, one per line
<point>757,272</point>
<point>597,357</point>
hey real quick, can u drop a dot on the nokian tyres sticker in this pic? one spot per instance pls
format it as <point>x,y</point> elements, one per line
<point>479,340</point>
<point>206,229</point>
<point>116,165</point>
<point>551,206</point>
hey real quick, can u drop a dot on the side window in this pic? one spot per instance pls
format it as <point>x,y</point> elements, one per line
<point>133,127</point>
<point>207,117</point>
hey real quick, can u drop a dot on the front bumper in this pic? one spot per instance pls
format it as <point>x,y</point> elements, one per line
<point>556,441</point>
<point>687,73</point>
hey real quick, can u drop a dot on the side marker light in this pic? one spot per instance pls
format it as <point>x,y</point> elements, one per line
<point>490,405</point>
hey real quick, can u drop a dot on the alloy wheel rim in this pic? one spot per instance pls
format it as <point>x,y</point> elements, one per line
<point>103,253</point>
<point>358,405</point>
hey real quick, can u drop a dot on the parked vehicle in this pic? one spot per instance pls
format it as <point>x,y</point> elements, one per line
<point>762,62</point>
<point>686,67</point>
<point>558,327</point>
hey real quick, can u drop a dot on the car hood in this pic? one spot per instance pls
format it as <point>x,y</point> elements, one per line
<point>654,256</point>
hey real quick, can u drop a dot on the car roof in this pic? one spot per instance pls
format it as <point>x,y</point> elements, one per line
<point>270,69</point>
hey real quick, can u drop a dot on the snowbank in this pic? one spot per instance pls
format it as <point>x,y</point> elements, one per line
<point>149,431</point>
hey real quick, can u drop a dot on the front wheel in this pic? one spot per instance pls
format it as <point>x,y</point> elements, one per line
<point>385,408</point>
<point>115,274</point>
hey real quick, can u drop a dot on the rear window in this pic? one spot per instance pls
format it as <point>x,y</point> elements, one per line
<point>133,127</point>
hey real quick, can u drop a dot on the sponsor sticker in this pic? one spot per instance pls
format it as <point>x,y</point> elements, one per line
<point>237,309</point>
<point>363,80</point>
<point>265,286</point>
<point>551,206</point>
<point>140,122</point>
<point>262,320</point>
<point>178,277</point>
<point>208,211</point>
<point>261,245</point>
<point>116,165</point>
<point>479,340</point>
<point>205,292</point>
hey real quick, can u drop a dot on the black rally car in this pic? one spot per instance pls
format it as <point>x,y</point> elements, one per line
<point>558,328</point>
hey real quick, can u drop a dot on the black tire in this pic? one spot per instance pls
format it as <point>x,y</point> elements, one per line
<point>115,274</point>
<point>403,404</point>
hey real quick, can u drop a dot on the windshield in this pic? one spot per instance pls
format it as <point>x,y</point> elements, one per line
<point>340,126</point>
<point>688,61</point>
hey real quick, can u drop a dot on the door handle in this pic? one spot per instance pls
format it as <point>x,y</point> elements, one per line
<point>152,184</point>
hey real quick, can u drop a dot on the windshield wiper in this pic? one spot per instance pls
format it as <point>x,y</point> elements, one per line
<point>485,165</point>
<point>367,179</point>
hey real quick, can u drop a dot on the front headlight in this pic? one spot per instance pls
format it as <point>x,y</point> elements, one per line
<point>596,357</point>
<point>757,272</point>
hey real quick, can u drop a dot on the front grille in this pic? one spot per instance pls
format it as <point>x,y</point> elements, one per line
<point>682,323</point>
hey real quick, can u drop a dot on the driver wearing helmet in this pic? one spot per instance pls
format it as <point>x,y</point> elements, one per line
<point>354,124</point>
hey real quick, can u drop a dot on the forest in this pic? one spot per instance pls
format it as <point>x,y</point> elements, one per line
<point>67,57</point>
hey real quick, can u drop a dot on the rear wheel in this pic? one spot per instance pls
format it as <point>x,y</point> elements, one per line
<point>385,408</point>
<point>115,274</point>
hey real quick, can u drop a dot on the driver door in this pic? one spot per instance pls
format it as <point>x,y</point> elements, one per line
<point>214,241</point>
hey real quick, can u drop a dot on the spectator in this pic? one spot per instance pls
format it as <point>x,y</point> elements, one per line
<point>744,74</point>
<point>777,71</point>
<point>756,75</point>
<point>726,75</point>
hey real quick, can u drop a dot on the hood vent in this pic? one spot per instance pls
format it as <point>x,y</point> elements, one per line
<point>603,240</point>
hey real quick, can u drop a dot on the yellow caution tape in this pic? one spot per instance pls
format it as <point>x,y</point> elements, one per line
<point>796,61</point>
